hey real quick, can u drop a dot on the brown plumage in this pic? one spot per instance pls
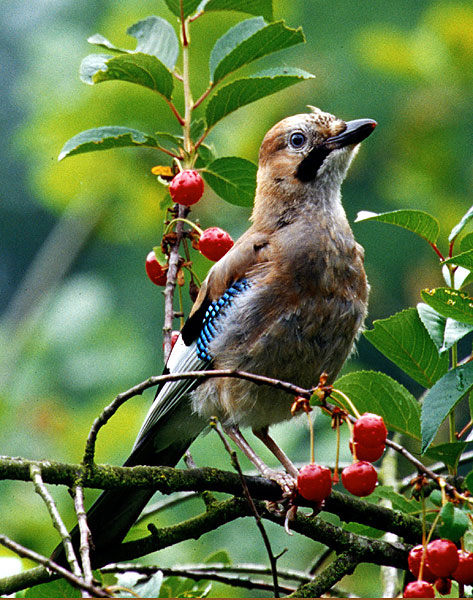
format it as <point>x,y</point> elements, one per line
<point>287,301</point>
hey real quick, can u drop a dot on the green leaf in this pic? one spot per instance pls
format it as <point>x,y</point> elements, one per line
<point>233,179</point>
<point>469,482</point>
<point>465,259</point>
<point>197,129</point>
<point>444,331</point>
<point>247,90</point>
<point>467,242</point>
<point>461,225</point>
<point>154,35</point>
<point>104,138</point>
<point>188,6</point>
<point>252,7</point>
<point>171,142</point>
<point>218,557</point>
<point>157,37</point>
<point>442,398</point>
<point>102,42</point>
<point>416,221</point>
<point>248,41</point>
<point>453,522</point>
<point>449,453</point>
<point>205,156</point>
<point>142,69</point>
<point>378,393</point>
<point>403,339</point>
<point>54,589</point>
<point>450,303</point>
<point>398,501</point>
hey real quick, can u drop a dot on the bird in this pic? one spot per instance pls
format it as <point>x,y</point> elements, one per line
<point>287,301</point>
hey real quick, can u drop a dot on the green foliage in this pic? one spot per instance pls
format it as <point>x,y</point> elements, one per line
<point>453,522</point>
<point>404,340</point>
<point>461,225</point>
<point>56,589</point>
<point>380,394</point>
<point>151,65</point>
<point>444,331</point>
<point>450,303</point>
<point>449,453</point>
<point>141,69</point>
<point>416,221</point>
<point>233,179</point>
<point>154,36</point>
<point>442,398</point>
<point>248,41</point>
<point>245,91</point>
<point>252,7</point>
<point>105,138</point>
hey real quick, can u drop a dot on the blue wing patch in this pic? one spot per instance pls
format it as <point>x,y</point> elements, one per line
<point>214,312</point>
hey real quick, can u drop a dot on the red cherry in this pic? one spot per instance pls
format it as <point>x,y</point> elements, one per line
<point>414,559</point>
<point>419,589</point>
<point>443,585</point>
<point>187,187</point>
<point>365,453</point>
<point>443,557</point>
<point>370,430</point>
<point>464,572</point>
<point>360,478</point>
<point>215,243</point>
<point>155,270</point>
<point>314,482</point>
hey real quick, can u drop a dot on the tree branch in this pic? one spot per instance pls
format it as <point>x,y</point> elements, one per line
<point>344,564</point>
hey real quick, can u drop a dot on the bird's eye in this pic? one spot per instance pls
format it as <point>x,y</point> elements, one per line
<point>297,140</point>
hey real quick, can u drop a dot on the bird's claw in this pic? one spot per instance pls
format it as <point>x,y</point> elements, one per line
<point>286,482</point>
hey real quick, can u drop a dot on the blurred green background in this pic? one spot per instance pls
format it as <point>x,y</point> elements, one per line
<point>79,320</point>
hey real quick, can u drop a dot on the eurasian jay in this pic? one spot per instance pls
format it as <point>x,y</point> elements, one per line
<point>287,301</point>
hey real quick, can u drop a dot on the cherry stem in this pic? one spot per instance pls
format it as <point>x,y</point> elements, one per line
<point>175,112</point>
<point>183,220</point>
<point>203,97</point>
<point>348,401</point>
<point>337,453</point>
<point>437,251</point>
<point>464,430</point>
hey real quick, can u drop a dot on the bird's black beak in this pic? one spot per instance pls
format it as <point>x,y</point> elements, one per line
<point>355,132</point>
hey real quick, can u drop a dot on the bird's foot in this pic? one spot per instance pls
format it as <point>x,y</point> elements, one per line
<point>286,482</point>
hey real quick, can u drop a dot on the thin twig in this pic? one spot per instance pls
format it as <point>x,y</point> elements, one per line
<point>58,523</point>
<point>77,582</point>
<point>84,547</point>
<point>173,269</point>
<point>259,523</point>
<point>252,568</point>
<point>197,574</point>
<point>138,389</point>
<point>156,507</point>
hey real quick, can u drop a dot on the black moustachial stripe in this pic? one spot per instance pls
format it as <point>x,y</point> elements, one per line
<point>308,168</point>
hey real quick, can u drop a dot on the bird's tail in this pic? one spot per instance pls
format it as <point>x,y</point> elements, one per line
<point>114,512</point>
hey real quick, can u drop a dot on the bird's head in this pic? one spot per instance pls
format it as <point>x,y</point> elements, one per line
<point>308,155</point>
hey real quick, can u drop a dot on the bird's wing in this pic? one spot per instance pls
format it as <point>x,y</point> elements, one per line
<point>226,279</point>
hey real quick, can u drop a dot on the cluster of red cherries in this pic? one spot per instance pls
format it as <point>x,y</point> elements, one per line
<point>314,482</point>
<point>442,562</point>
<point>187,188</point>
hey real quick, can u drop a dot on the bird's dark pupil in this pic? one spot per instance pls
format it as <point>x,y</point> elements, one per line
<point>297,139</point>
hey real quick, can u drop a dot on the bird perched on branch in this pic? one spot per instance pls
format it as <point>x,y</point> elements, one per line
<point>287,301</point>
